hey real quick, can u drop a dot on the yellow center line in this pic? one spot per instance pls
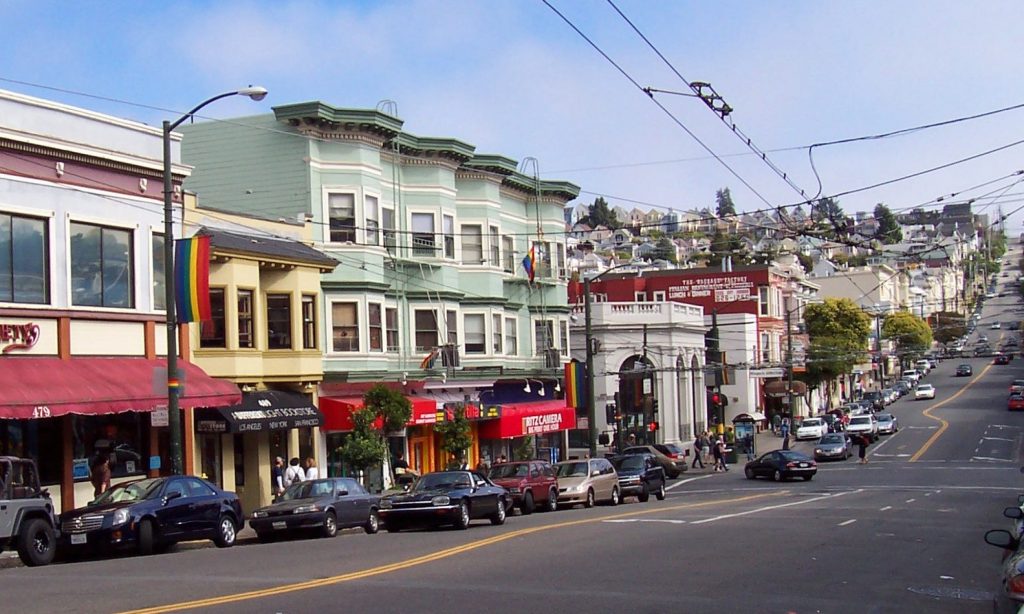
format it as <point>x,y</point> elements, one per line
<point>427,558</point>
<point>945,424</point>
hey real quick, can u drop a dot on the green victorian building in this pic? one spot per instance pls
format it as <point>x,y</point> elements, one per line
<point>432,296</point>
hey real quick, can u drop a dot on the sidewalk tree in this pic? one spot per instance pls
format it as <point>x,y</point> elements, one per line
<point>838,332</point>
<point>384,411</point>
<point>391,406</point>
<point>455,434</point>
<point>947,326</point>
<point>911,334</point>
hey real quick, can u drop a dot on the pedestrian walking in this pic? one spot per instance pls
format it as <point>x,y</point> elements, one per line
<point>697,447</point>
<point>705,446</point>
<point>719,452</point>
<point>776,423</point>
<point>862,448</point>
<point>294,473</point>
<point>277,476</point>
<point>312,471</point>
<point>784,429</point>
<point>749,442</point>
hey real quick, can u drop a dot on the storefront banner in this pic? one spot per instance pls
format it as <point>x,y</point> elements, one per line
<point>533,418</point>
<point>544,423</point>
<point>268,410</point>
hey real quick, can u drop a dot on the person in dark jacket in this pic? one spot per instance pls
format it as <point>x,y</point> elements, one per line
<point>697,447</point>
<point>862,448</point>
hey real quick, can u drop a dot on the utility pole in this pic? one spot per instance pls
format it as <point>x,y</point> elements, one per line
<point>591,401</point>
<point>789,351</point>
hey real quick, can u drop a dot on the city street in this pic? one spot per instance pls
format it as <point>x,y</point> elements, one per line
<point>902,532</point>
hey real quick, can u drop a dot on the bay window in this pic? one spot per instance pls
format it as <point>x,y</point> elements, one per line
<point>344,327</point>
<point>476,336</point>
<point>341,209</point>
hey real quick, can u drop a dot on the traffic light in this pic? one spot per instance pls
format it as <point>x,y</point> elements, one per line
<point>653,426</point>
<point>718,400</point>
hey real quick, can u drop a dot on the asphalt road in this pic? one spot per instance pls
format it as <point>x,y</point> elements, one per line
<point>902,533</point>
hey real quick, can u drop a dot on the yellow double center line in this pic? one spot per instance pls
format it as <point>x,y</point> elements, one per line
<point>427,558</point>
<point>944,424</point>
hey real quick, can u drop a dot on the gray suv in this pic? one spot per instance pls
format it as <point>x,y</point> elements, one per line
<point>26,512</point>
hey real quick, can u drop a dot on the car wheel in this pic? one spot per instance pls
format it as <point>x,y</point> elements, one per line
<point>644,495</point>
<point>462,521</point>
<point>808,478</point>
<point>330,526</point>
<point>777,476</point>
<point>499,516</point>
<point>226,532</point>
<point>146,537</point>
<point>749,473</point>
<point>616,499</point>
<point>526,507</point>
<point>36,543</point>
<point>372,523</point>
<point>590,499</point>
<point>661,492</point>
<point>552,501</point>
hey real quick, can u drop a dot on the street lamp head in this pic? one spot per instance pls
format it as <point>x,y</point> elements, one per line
<point>255,92</point>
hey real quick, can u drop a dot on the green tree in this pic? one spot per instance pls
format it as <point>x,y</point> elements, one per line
<point>727,244</point>
<point>911,334</point>
<point>888,228</point>
<point>365,446</point>
<point>665,249</point>
<point>600,214</point>
<point>455,434</point>
<point>827,210</point>
<point>838,331</point>
<point>806,262</point>
<point>947,326</point>
<point>725,205</point>
<point>391,406</point>
<point>524,451</point>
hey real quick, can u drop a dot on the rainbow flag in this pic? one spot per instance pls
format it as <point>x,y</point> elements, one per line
<point>575,384</point>
<point>530,262</point>
<point>192,279</point>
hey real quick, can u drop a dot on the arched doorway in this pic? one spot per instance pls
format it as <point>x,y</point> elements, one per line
<point>636,401</point>
<point>696,394</point>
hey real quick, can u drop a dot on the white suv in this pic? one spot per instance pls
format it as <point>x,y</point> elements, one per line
<point>811,428</point>
<point>863,425</point>
<point>912,374</point>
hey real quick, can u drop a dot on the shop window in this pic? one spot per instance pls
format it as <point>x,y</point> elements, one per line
<point>472,244</point>
<point>210,458</point>
<point>211,332</point>
<point>511,337</point>
<point>371,211</point>
<point>494,243</point>
<point>159,279</point>
<point>245,336</point>
<point>345,327</point>
<point>279,321</point>
<point>373,316</point>
<point>101,266</point>
<point>476,337</point>
<point>426,330</point>
<point>448,228</point>
<point>496,333</point>
<point>391,321</point>
<point>308,322</point>
<point>342,212</point>
<point>24,260</point>
<point>423,240</point>
<point>122,438</point>
<point>40,439</point>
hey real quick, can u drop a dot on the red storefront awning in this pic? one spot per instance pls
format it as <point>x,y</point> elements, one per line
<point>536,418</point>
<point>32,387</point>
<point>338,412</point>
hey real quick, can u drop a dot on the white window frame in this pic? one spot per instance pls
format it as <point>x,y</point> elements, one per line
<point>508,249</point>
<point>360,320</point>
<point>383,328</point>
<point>448,236</point>
<point>437,326</point>
<point>482,315</point>
<point>763,297</point>
<point>352,191</point>
<point>659,296</point>
<point>388,349</point>
<point>371,225</point>
<point>494,246</point>
<point>497,333</point>
<point>434,252</point>
<point>511,332</point>
<point>639,297</point>
<point>464,235</point>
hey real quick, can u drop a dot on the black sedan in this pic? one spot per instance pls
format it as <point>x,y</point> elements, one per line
<point>321,506</point>
<point>152,514</point>
<point>781,464</point>
<point>964,370</point>
<point>446,498</point>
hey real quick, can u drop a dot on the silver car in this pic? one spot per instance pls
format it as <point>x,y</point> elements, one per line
<point>887,424</point>
<point>833,446</point>
<point>587,481</point>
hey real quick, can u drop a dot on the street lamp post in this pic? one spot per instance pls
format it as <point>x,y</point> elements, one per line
<point>173,383</point>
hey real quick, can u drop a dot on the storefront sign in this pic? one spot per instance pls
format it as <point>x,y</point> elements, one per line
<point>724,289</point>
<point>18,337</point>
<point>767,373</point>
<point>159,417</point>
<point>544,423</point>
<point>79,468</point>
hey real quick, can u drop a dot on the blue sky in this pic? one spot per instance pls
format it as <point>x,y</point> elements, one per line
<point>510,77</point>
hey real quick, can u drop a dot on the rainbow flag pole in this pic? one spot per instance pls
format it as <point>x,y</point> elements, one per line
<point>192,279</point>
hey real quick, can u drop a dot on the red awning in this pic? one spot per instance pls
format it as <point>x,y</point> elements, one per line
<point>521,419</point>
<point>32,387</point>
<point>338,412</point>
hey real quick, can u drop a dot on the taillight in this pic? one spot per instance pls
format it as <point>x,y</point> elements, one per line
<point>790,465</point>
<point>1015,584</point>
<point>673,456</point>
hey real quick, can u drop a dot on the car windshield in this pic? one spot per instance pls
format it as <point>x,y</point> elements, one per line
<point>511,470</point>
<point>1018,382</point>
<point>811,422</point>
<point>443,480</point>
<point>572,470</point>
<point>860,420</point>
<point>629,463</point>
<point>832,438</point>
<point>925,387</point>
<point>131,491</point>
<point>883,417</point>
<point>308,490</point>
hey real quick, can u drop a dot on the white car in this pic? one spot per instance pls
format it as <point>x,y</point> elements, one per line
<point>911,374</point>
<point>923,366</point>
<point>863,425</point>
<point>995,326</point>
<point>811,428</point>
<point>924,391</point>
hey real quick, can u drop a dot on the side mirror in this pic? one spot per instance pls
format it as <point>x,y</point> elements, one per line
<point>406,487</point>
<point>595,473</point>
<point>171,496</point>
<point>1001,539</point>
<point>1013,512</point>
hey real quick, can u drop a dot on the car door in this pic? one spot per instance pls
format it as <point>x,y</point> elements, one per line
<point>203,507</point>
<point>485,497</point>
<point>7,511</point>
<point>354,502</point>
<point>172,513</point>
<point>608,481</point>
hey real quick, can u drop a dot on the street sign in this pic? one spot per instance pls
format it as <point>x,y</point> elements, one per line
<point>768,373</point>
<point>159,417</point>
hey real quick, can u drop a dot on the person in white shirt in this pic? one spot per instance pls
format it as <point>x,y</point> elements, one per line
<point>294,473</point>
<point>312,472</point>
